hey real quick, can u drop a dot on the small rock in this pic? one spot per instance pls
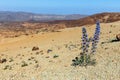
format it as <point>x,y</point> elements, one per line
<point>49,50</point>
<point>47,57</point>
<point>42,53</point>
<point>65,65</point>
<point>3,60</point>
<point>37,53</point>
<point>37,65</point>
<point>50,60</point>
<point>35,48</point>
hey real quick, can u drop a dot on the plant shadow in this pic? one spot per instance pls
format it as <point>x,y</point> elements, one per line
<point>114,40</point>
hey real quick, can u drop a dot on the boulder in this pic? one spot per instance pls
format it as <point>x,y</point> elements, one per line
<point>118,37</point>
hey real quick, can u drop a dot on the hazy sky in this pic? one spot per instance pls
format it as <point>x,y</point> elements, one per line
<point>61,6</point>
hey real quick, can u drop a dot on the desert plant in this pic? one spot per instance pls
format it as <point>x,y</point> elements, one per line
<point>7,67</point>
<point>83,60</point>
<point>24,64</point>
<point>55,56</point>
<point>85,57</point>
<point>11,60</point>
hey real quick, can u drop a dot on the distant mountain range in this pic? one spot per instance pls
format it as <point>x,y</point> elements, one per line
<point>25,16</point>
<point>28,26</point>
<point>102,17</point>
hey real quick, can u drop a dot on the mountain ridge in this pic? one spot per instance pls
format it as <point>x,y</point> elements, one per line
<point>12,29</point>
<point>105,17</point>
<point>8,16</point>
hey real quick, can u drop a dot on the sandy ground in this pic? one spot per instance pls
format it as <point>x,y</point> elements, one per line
<point>25,64</point>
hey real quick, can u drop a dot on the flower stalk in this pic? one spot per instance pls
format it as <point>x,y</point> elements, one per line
<point>85,57</point>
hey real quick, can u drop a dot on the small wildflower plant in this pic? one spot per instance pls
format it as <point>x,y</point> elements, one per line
<point>85,57</point>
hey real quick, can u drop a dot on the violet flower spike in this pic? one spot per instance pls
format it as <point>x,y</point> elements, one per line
<point>85,43</point>
<point>96,37</point>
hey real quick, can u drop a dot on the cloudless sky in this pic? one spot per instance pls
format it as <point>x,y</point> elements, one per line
<point>61,6</point>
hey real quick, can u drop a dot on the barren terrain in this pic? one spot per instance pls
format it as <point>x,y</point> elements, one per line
<point>48,55</point>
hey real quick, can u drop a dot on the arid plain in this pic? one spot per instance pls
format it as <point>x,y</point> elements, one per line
<point>48,55</point>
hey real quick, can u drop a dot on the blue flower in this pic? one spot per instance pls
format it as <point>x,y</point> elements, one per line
<point>85,41</point>
<point>96,37</point>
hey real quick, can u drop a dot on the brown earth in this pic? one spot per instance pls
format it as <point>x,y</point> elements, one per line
<point>102,17</point>
<point>15,29</point>
<point>24,64</point>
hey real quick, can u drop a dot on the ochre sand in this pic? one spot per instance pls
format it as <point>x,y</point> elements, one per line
<point>66,44</point>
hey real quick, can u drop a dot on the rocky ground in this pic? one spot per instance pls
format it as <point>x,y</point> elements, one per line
<point>48,55</point>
